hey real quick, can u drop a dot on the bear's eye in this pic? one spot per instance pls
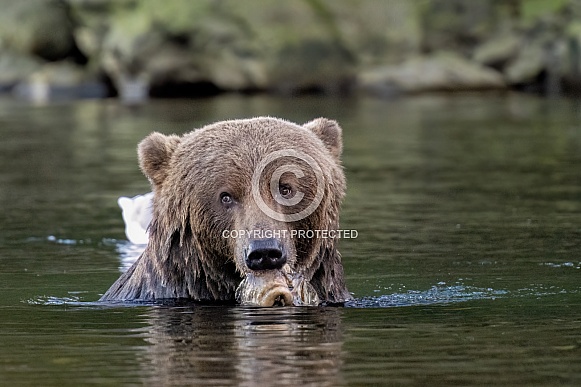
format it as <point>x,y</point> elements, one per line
<point>226,198</point>
<point>285,190</point>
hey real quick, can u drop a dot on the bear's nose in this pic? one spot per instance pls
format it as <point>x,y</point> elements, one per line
<point>265,254</point>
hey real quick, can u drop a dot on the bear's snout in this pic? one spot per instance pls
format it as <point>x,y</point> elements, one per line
<point>265,254</point>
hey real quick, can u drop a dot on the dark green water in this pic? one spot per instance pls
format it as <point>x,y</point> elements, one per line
<point>467,267</point>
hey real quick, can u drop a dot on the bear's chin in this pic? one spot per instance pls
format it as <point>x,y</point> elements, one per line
<point>276,288</point>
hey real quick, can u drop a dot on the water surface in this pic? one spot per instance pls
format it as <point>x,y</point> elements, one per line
<point>466,269</point>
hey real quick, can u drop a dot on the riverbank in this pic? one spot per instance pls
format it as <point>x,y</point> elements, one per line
<point>57,49</point>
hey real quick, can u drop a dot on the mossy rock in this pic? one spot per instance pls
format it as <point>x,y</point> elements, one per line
<point>39,28</point>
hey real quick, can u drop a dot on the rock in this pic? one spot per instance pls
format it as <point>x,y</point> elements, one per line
<point>256,45</point>
<point>528,64</point>
<point>39,28</point>
<point>202,47</point>
<point>379,32</point>
<point>442,72</point>
<point>311,65</point>
<point>497,51</point>
<point>534,56</point>
<point>456,24</point>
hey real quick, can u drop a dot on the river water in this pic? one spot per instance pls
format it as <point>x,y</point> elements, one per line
<point>466,269</point>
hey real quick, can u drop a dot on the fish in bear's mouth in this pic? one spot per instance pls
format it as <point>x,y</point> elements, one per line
<point>276,288</point>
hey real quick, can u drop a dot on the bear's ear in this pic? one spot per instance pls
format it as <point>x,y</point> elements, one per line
<point>330,133</point>
<point>154,153</point>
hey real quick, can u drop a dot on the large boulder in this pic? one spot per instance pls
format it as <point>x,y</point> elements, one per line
<point>499,50</point>
<point>441,72</point>
<point>528,64</point>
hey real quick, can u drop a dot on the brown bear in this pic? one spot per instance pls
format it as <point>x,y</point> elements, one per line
<point>243,210</point>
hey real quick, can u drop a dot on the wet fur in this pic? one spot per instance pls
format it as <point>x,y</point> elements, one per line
<point>186,256</point>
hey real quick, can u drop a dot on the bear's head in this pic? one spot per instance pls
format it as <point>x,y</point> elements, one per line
<point>243,209</point>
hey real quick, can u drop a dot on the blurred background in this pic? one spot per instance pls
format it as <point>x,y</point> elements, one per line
<point>51,49</point>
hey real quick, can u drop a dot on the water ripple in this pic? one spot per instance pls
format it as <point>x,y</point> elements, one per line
<point>433,296</point>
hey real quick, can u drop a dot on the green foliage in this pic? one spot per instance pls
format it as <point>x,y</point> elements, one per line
<point>533,9</point>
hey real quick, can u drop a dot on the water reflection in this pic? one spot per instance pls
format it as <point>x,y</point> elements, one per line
<point>468,212</point>
<point>211,345</point>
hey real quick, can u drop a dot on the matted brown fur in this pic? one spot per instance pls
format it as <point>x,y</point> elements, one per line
<point>188,255</point>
